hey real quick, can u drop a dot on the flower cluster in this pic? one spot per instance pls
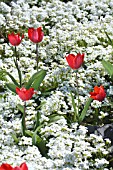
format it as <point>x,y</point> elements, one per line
<point>76,28</point>
<point>6,166</point>
<point>35,35</point>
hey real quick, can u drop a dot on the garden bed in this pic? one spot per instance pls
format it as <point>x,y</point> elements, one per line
<point>57,125</point>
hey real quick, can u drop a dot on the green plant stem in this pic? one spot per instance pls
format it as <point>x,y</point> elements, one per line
<point>17,66</point>
<point>75,117</point>
<point>37,56</point>
<point>17,57</point>
<point>23,120</point>
<point>96,116</point>
<point>77,92</point>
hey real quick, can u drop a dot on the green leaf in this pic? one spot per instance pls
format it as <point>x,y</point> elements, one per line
<point>38,115</point>
<point>28,133</point>
<point>54,118</point>
<point>12,78</point>
<point>110,41</point>
<point>83,114</point>
<point>11,87</point>
<point>20,107</point>
<point>36,78</point>
<point>40,143</point>
<point>108,67</point>
<point>15,138</point>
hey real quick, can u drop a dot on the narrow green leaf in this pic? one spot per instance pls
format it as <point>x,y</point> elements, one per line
<point>35,133</point>
<point>54,118</point>
<point>12,78</point>
<point>38,115</point>
<point>86,107</point>
<point>40,143</point>
<point>20,107</point>
<point>38,76</point>
<point>15,138</point>
<point>36,84</point>
<point>108,37</point>
<point>34,138</point>
<point>110,41</point>
<point>108,67</point>
<point>11,87</point>
<point>28,133</point>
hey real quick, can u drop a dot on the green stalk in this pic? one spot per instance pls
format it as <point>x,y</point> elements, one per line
<point>75,117</point>
<point>17,66</point>
<point>37,57</point>
<point>23,120</point>
<point>77,91</point>
<point>96,115</point>
<point>17,57</point>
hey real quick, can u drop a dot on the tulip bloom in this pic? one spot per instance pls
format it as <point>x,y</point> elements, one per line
<point>25,94</point>
<point>6,166</point>
<point>15,39</point>
<point>98,93</point>
<point>35,35</point>
<point>75,61</point>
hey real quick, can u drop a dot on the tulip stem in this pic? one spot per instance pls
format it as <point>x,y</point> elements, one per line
<point>23,120</point>
<point>17,57</point>
<point>96,116</point>
<point>37,56</point>
<point>17,66</point>
<point>77,91</point>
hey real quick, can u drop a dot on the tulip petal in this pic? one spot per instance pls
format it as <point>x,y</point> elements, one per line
<point>23,166</point>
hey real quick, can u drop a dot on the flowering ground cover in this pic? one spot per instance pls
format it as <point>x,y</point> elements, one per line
<point>56,87</point>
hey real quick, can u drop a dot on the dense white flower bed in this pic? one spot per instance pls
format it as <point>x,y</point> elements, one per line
<point>77,26</point>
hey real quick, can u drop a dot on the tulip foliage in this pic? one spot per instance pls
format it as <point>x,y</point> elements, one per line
<point>75,62</point>
<point>108,67</point>
<point>28,90</point>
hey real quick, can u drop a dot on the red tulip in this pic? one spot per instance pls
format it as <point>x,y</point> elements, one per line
<point>35,35</point>
<point>23,166</point>
<point>6,166</point>
<point>98,93</point>
<point>25,94</point>
<point>75,61</point>
<point>15,39</point>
